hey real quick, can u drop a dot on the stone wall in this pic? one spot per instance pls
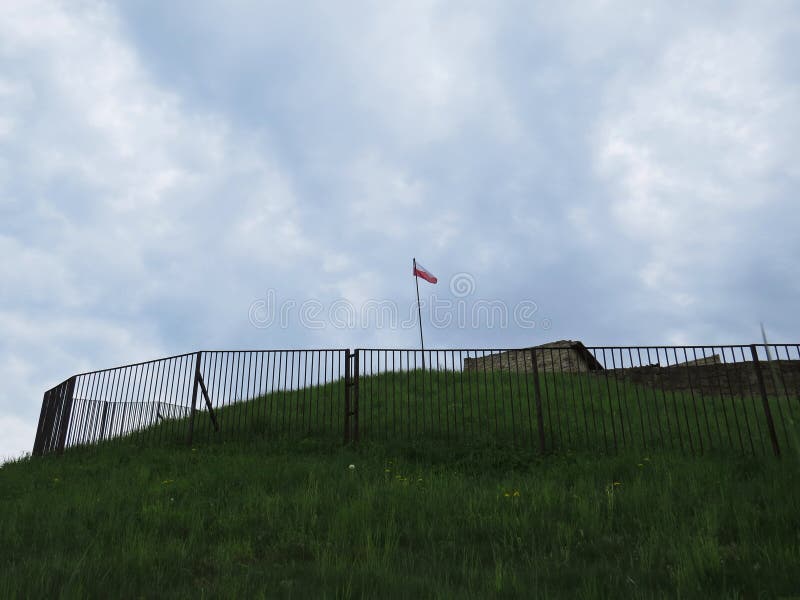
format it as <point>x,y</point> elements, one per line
<point>715,379</point>
<point>566,359</point>
<point>708,376</point>
<point>714,359</point>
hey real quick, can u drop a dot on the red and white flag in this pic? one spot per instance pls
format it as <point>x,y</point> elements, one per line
<point>420,271</point>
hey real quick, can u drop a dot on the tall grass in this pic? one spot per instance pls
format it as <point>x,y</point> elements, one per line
<point>268,518</point>
<point>579,412</point>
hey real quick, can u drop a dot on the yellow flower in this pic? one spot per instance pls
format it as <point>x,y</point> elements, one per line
<point>516,493</point>
<point>506,494</point>
<point>167,481</point>
<point>617,483</point>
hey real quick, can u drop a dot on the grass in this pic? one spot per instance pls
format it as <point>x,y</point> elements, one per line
<point>448,497</point>
<point>579,412</point>
<point>288,519</point>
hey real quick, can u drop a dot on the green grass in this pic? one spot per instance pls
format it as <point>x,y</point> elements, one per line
<point>579,412</point>
<point>271,518</point>
<point>449,498</point>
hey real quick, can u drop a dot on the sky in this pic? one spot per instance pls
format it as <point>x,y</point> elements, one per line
<point>259,175</point>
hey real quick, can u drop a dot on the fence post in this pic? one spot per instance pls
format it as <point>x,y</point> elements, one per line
<point>66,413</point>
<point>42,431</point>
<point>103,421</point>
<point>347,396</point>
<point>538,401</point>
<point>355,395</point>
<point>765,401</point>
<point>194,395</point>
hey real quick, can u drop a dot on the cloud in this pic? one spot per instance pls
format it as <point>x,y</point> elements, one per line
<point>17,438</point>
<point>120,208</point>
<point>690,153</point>
<point>628,168</point>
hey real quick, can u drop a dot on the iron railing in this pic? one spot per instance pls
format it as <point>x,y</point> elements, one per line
<point>695,399</point>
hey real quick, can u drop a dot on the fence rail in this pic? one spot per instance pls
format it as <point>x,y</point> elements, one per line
<point>695,399</point>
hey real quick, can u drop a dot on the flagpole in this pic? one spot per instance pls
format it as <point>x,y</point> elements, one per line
<point>419,313</point>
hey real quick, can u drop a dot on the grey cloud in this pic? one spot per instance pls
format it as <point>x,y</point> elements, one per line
<point>163,165</point>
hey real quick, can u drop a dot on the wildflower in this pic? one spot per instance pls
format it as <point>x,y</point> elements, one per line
<point>647,459</point>
<point>506,494</point>
<point>387,470</point>
<point>617,483</point>
<point>167,481</point>
<point>641,465</point>
<point>516,493</point>
<point>352,467</point>
<point>419,480</point>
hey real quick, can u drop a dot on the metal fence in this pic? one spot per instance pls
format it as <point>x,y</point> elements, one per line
<point>563,396</point>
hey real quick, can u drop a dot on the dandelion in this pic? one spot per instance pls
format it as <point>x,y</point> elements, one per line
<point>516,493</point>
<point>617,483</point>
<point>506,494</point>
<point>352,467</point>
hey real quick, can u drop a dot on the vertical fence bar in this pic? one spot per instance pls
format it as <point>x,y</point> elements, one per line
<point>194,396</point>
<point>746,376</point>
<point>682,394</point>
<point>41,429</point>
<point>66,413</point>
<point>777,380</point>
<point>583,396</point>
<point>765,400</point>
<point>733,402</point>
<point>347,397</point>
<point>783,386</point>
<point>355,397</point>
<point>537,395</point>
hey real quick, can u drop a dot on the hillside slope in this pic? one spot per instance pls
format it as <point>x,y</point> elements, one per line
<point>293,519</point>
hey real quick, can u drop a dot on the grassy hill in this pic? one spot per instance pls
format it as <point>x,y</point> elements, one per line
<point>261,514</point>
<point>579,412</point>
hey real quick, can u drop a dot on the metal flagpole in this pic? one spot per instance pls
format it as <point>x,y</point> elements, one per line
<point>419,313</point>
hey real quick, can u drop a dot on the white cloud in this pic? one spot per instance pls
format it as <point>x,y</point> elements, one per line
<point>17,438</point>
<point>114,198</point>
<point>153,186</point>
<point>690,151</point>
<point>423,70</point>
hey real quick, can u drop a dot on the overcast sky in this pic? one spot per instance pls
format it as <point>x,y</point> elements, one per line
<point>614,172</point>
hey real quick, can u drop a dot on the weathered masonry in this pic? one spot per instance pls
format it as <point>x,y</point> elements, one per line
<point>563,356</point>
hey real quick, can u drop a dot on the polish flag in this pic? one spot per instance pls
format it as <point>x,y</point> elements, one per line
<point>420,271</point>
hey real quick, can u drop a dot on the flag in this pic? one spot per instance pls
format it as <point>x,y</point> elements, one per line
<point>420,271</point>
